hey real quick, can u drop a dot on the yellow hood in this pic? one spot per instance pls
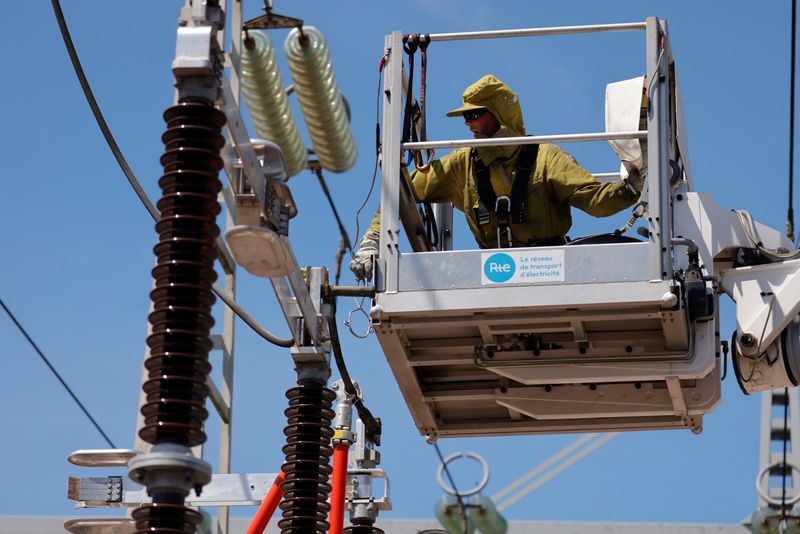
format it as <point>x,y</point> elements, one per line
<point>492,94</point>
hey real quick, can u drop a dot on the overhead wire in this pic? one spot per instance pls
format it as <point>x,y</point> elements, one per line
<point>151,208</point>
<point>377,144</point>
<point>450,479</point>
<point>790,212</point>
<point>556,470</point>
<point>345,244</point>
<point>541,467</point>
<point>371,423</point>
<point>57,375</point>
<point>751,231</point>
<point>786,470</point>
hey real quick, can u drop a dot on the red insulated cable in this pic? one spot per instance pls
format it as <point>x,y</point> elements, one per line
<point>268,506</point>
<point>338,484</point>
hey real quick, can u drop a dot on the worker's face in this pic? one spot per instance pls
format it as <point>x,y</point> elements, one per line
<point>481,123</point>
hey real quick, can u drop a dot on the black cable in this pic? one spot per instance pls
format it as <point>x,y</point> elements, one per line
<point>112,144</point>
<point>98,115</point>
<point>377,151</point>
<point>371,424</point>
<point>57,375</point>
<point>345,243</point>
<point>784,466</point>
<point>790,212</point>
<point>453,485</point>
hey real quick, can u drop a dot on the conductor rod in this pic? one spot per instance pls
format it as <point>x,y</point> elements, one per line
<point>533,32</point>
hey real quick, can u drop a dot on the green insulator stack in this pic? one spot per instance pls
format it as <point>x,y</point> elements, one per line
<point>486,517</point>
<point>320,100</point>
<point>767,521</point>
<point>450,517</point>
<point>266,99</point>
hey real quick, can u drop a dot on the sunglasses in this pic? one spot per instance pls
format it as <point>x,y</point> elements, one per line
<point>474,114</point>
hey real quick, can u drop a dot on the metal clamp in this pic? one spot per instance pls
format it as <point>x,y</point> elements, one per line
<point>502,208</point>
<point>381,503</point>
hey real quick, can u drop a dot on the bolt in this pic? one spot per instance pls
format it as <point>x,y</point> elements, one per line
<point>748,340</point>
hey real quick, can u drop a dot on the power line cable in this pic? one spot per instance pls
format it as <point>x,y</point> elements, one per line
<point>377,146</point>
<point>460,500</point>
<point>345,243</point>
<point>785,468</point>
<point>790,212</point>
<point>555,471</point>
<point>57,375</point>
<point>154,213</point>
<point>569,449</point>
<point>371,423</point>
<point>98,115</point>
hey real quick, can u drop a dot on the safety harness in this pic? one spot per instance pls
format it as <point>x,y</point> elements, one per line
<point>509,209</point>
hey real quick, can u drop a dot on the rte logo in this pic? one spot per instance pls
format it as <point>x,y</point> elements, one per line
<point>499,268</point>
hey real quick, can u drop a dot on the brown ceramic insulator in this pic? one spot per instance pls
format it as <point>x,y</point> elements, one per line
<point>362,525</point>
<point>165,518</point>
<point>307,465</point>
<point>182,298</point>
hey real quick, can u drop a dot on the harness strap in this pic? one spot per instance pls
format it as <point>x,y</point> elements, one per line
<point>486,194</point>
<point>487,198</point>
<point>519,189</point>
<point>419,118</point>
<point>410,47</point>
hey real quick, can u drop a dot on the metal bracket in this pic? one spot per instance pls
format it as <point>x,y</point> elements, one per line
<point>267,181</point>
<point>270,21</point>
<point>193,52</point>
<point>354,499</point>
<point>122,492</point>
<point>767,298</point>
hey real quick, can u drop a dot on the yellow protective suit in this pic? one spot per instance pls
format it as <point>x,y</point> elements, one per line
<point>556,183</point>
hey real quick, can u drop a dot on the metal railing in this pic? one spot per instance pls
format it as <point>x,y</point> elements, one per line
<point>657,137</point>
<point>535,32</point>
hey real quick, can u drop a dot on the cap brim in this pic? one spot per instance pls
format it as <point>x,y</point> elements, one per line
<point>466,107</point>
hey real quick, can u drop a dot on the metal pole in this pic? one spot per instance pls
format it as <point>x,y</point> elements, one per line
<point>527,140</point>
<point>351,291</point>
<point>657,149</point>
<point>534,32</point>
<point>390,168</point>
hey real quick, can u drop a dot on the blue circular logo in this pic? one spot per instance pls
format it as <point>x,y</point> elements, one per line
<point>499,268</point>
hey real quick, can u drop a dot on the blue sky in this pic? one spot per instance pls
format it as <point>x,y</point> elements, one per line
<point>77,243</point>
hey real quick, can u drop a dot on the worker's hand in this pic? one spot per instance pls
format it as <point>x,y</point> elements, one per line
<point>362,261</point>
<point>634,180</point>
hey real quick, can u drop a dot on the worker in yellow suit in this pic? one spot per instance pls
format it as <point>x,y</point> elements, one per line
<point>511,195</point>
